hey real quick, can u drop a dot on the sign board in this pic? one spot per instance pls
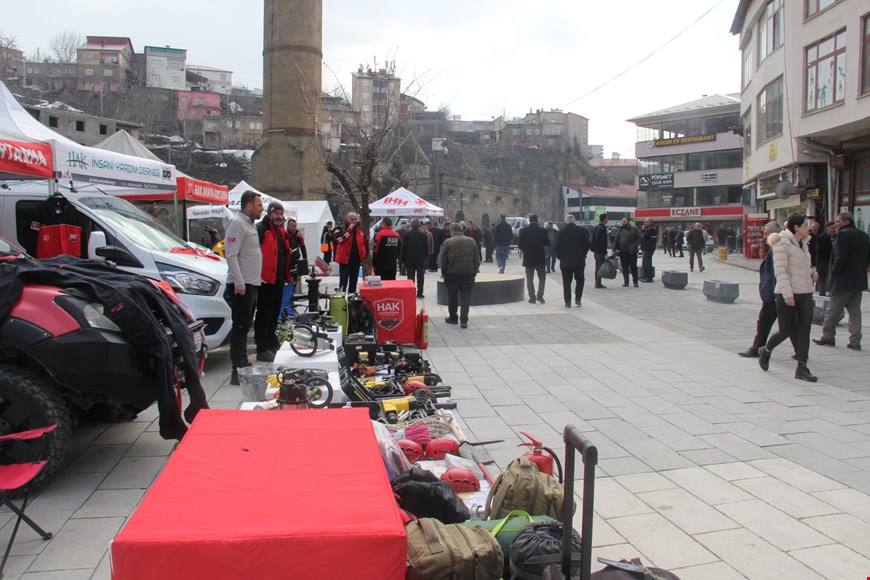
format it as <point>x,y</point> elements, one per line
<point>656,181</point>
<point>684,140</point>
<point>685,212</point>
<point>710,177</point>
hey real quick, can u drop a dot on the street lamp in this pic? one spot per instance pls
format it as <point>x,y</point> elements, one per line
<point>438,145</point>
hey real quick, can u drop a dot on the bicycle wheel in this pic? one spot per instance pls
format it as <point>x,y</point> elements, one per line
<point>304,341</point>
<point>319,392</point>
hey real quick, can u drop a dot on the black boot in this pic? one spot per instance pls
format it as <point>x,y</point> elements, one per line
<point>804,374</point>
<point>764,358</point>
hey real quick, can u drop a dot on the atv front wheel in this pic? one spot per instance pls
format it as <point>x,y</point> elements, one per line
<point>29,400</point>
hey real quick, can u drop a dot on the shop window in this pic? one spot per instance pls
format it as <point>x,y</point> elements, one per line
<point>769,111</point>
<point>825,72</point>
<point>769,29</point>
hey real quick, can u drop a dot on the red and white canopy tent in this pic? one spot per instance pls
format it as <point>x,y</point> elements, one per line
<point>22,157</point>
<point>404,203</point>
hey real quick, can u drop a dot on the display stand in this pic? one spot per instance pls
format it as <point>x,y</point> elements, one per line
<point>324,359</point>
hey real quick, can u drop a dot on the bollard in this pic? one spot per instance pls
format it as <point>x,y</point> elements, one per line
<point>723,253</point>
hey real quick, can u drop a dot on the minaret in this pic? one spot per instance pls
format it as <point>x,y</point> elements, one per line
<point>288,165</point>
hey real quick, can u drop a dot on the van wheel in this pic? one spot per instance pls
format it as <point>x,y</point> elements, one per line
<point>29,400</point>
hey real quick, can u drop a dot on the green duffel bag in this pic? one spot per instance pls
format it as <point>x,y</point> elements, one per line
<point>506,528</point>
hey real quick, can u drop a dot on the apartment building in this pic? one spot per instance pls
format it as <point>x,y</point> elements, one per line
<point>376,95</point>
<point>216,80</point>
<point>78,125</point>
<point>339,123</point>
<point>552,129</point>
<point>689,164</point>
<point>48,77</point>
<point>165,67</point>
<point>194,105</point>
<point>11,63</point>
<point>805,105</point>
<point>104,63</point>
<point>232,132</point>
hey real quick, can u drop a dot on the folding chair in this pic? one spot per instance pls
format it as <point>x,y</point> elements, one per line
<point>21,475</point>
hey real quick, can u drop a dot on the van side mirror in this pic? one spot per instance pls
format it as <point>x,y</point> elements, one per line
<point>98,248</point>
<point>96,241</point>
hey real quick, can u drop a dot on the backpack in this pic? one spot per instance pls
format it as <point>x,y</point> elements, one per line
<point>359,316</point>
<point>438,551</point>
<point>426,496</point>
<point>522,487</point>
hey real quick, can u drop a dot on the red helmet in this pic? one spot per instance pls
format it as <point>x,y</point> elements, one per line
<point>461,480</point>
<point>412,450</point>
<point>438,448</point>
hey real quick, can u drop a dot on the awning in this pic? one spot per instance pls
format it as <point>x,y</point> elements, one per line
<point>203,191</point>
<point>23,157</point>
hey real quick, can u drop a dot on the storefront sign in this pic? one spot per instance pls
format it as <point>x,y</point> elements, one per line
<point>685,212</point>
<point>771,152</point>
<point>753,230</point>
<point>709,177</point>
<point>684,140</point>
<point>656,181</point>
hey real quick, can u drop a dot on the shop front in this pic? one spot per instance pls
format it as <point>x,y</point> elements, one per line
<point>711,218</point>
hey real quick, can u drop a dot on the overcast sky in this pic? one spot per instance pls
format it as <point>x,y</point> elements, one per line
<point>479,58</point>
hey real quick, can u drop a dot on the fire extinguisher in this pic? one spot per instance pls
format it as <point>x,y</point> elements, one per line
<point>541,456</point>
<point>422,329</point>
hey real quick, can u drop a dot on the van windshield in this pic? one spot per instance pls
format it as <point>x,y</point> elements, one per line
<point>128,220</point>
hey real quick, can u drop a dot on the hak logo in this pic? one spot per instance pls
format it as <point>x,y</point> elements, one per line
<point>389,313</point>
<point>79,160</point>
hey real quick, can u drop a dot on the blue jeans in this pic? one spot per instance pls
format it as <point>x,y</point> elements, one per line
<point>550,258</point>
<point>501,255</point>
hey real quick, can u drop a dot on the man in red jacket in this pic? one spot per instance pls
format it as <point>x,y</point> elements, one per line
<point>386,250</point>
<point>278,264</point>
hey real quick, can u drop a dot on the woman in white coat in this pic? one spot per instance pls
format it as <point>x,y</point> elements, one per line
<point>795,280</point>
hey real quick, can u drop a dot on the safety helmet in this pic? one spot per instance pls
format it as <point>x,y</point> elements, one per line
<point>438,448</point>
<point>461,480</point>
<point>412,450</point>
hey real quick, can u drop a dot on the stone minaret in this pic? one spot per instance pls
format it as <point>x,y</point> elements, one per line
<point>288,164</point>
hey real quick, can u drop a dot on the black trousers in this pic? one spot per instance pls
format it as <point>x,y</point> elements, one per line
<point>766,318</point>
<point>629,265</point>
<point>243,307</point>
<point>795,322</point>
<point>269,300</point>
<point>489,250</point>
<point>599,259</point>
<point>646,265</point>
<point>387,274</point>
<point>459,289</point>
<point>348,274</point>
<point>417,272</point>
<point>578,275</point>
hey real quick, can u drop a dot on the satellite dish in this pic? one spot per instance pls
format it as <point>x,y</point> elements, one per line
<point>784,189</point>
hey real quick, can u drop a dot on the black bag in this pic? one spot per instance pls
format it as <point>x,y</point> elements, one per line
<point>359,316</point>
<point>426,496</point>
<point>538,546</point>
<point>607,270</point>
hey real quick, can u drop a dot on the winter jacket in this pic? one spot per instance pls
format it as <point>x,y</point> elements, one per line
<point>634,238</point>
<point>695,239</point>
<point>459,256</point>
<point>242,251</point>
<point>599,239</point>
<point>824,250</point>
<point>344,241</point>
<point>851,258</point>
<point>650,240</point>
<point>504,234</point>
<point>572,245</point>
<point>387,248</point>
<point>792,264</point>
<point>415,249</point>
<point>533,240</point>
<point>275,248</point>
<point>766,279</point>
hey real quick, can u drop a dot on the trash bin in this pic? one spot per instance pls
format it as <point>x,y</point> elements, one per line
<point>252,379</point>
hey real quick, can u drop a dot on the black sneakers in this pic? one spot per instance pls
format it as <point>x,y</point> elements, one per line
<point>764,358</point>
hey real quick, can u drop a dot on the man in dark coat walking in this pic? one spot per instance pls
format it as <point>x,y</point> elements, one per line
<point>824,252</point>
<point>648,246</point>
<point>599,246</point>
<point>625,245</point>
<point>415,254</point>
<point>848,278</point>
<point>572,245</point>
<point>503,236</point>
<point>533,240</point>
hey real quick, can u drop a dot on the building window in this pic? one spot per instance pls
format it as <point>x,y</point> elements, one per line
<point>366,96</point>
<point>52,121</point>
<point>176,80</point>
<point>80,126</point>
<point>746,67</point>
<point>107,72</point>
<point>199,101</point>
<point>174,65</point>
<point>89,72</point>
<point>769,110</point>
<point>104,129</point>
<point>155,78</point>
<point>223,77</point>
<point>747,133</point>
<point>826,72</point>
<point>769,29</point>
<point>814,6</point>
<point>865,66</point>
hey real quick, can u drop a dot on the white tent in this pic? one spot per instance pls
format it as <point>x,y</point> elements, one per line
<point>81,164</point>
<point>404,203</point>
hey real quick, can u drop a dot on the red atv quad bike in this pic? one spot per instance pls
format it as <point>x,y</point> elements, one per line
<point>48,344</point>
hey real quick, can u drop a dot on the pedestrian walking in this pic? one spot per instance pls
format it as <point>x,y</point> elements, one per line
<point>533,240</point>
<point>793,293</point>
<point>599,247</point>
<point>696,240</point>
<point>244,269</point>
<point>488,243</point>
<point>679,239</point>
<point>415,255</point>
<point>572,246</point>
<point>404,228</point>
<point>503,236</point>
<point>350,251</point>
<point>625,245</point>
<point>327,243</point>
<point>824,256</point>
<point>550,251</point>
<point>848,278</point>
<point>649,241</point>
<point>460,263</point>
<point>386,250</point>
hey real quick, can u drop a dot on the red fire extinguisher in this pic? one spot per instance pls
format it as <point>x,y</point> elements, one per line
<point>541,456</point>
<point>422,329</point>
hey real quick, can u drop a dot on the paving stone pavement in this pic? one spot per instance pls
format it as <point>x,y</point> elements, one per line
<point>708,466</point>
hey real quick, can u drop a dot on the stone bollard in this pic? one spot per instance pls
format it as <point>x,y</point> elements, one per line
<point>719,291</point>
<point>675,280</point>
<point>723,253</point>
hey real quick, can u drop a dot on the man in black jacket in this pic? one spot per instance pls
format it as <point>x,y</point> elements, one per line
<point>572,245</point>
<point>625,245</point>
<point>415,254</point>
<point>648,246</point>
<point>599,246</point>
<point>533,240</point>
<point>822,258</point>
<point>848,281</point>
<point>503,236</point>
<point>696,241</point>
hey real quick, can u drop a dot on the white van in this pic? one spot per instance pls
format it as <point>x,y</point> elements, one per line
<point>115,229</point>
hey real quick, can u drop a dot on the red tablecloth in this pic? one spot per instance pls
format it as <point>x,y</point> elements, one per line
<point>394,306</point>
<point>268,494</point>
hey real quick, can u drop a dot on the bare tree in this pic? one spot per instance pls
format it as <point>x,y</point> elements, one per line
<point>64,46</point>
<point>8,54</point>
